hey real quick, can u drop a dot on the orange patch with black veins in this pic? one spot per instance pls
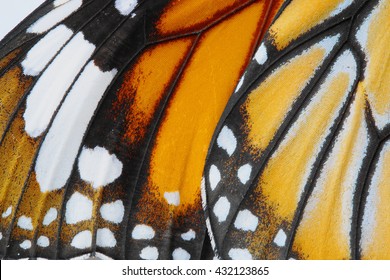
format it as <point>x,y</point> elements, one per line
<point>8,58</point>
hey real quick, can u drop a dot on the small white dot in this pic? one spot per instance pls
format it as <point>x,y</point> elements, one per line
<point>240,254</point>
<point>222,208</point>
<point>244,173</point>
<point>246,221</point>
<point>173,198</point>
<point>43,241</point>
<point>26,244</point>
<point>180,254</point>
<point>189,235</point>
<point>7,212</point>
<point>214,177</point>
<point>280,238</point>
<point>149,253</point>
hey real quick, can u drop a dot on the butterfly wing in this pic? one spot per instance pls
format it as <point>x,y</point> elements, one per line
<point>107,111</point>
<point>296,165</point>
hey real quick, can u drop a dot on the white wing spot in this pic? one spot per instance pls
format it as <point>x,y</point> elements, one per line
<point>26,244</point>
<point>173,198</point>
<point>25,222</point>
<point>82,240</point>
<point>113,212</point>
<point>50,216</point>
<point>149,253</point>
<point>222,208</point>
<point>43,241</point>
<point>240,254</point>
<point>142,232</point>
<point>180,254</point>
<point>125,7</point>
<point>246,221</point>
<point>214,177</point>
<point>244,173</point>
<point>105,238</point>
<point>7,212</point>
<point>280,238</point>
<point>98,167</point>
<point>261,55</point>
<point>78,208</point>
<point>189,235</point>
<point>227,141</point>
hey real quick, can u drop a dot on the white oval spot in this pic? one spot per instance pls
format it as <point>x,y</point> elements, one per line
<point>125,7</point>
<point>98,167</point>
<point>50,216</point>
<point>113,212</point>
<point>180,254</point>
<point>244,173</point>
<point>240,254</point>
<point>173,198</point>
<point>246,221</point>
<point>25,222</point>
<point>227,141</point>
<point>7,212</point>
<point>261,55</point>
<point>78,208</point>
<point>82,240</point>
<point>189,235</point>
<point>214,177</point>
<point>1,236</point>
<point>149,253</point>
<point>280,238</point>
<point>222,208</point>
<point>26,244</point>
<point>105,238</point>
<point>43,241</point>
<point>240,82</point>
<point>142,232</point>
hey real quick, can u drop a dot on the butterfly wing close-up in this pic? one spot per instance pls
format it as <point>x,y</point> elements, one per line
<point>196,129</point>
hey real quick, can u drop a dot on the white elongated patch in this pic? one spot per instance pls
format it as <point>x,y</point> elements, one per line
<point>240,254</point>
<point>50,89</point>
<point>82,240</point>
<point>189,235</point>
<point>25,222</point>
<point>44,51</point>
<point>1,235</point>
<point>142,232</point>
<point>214,177</point>
<point>26,244</point>
<point>149,253</point>
<point>65,136</point>
<point>125,7</point>
<point>61,11</point>
<point>180,254</point>
<point>221,209</point>
<point>7,212</point>
<point>98,167</point>
<point>78,208</point>
<point>246,221</point>
<point>261,55</point>
<point>280,238</point>
<point>105,238</point>
<point>244,173</point>
<point>50,216</point>
<point>173,198</point>
<point>240,83</point>
<point>227,141</point>
<point>113,212</point>
<point>43,241</point>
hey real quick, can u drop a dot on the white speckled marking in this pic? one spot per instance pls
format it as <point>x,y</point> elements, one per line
<point>98,167</point>
<point>246,221</point>
<point>78,208</point>
<point>142,232</point>
<point>113,212</point>
<point>221,209</point>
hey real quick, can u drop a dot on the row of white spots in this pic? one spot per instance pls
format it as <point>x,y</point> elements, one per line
<point>42,241</point>
<point>43,52</point>
<point>61,11</point>
<point>104,238</point>
<point>151,253</point>
<point>50,89</point>
<point>173,198</point>
<point>7,212</point>
<point>65,136</point>
<point>125,7</point>
<point>98,167</point>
